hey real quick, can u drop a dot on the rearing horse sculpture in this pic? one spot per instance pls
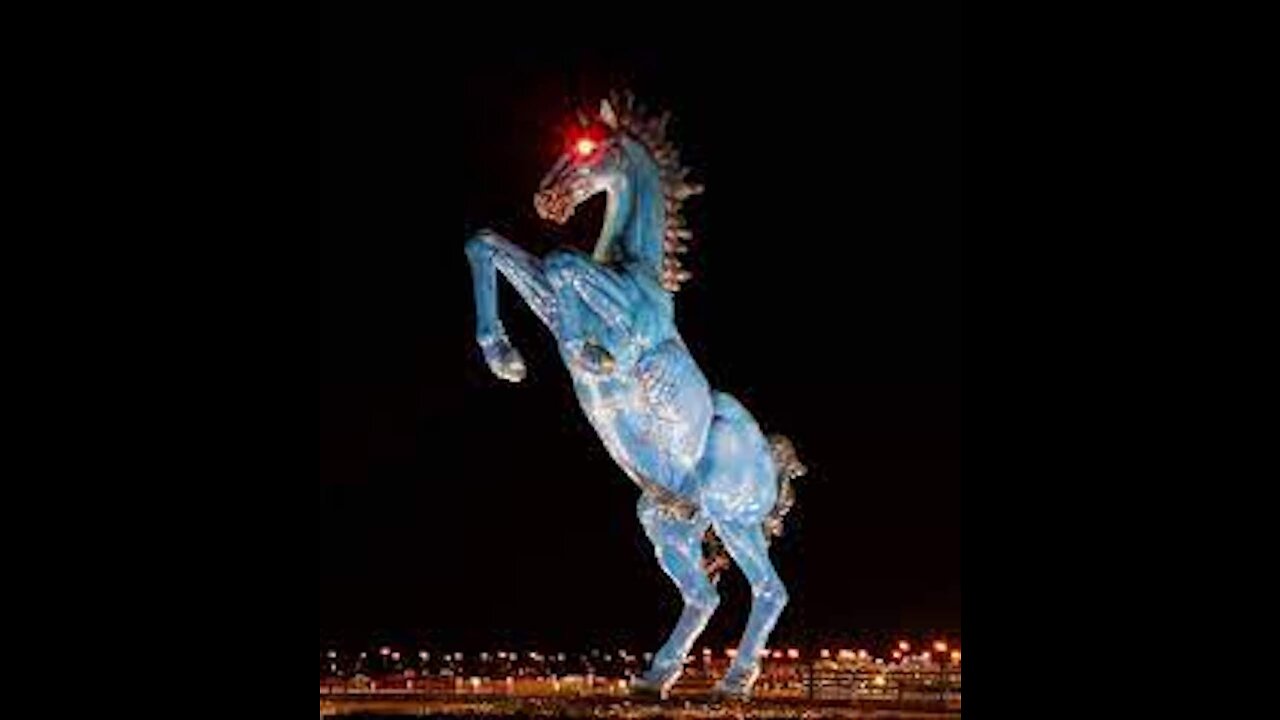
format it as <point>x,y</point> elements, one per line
<point>708,474</point>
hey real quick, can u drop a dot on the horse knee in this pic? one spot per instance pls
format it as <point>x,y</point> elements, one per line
<point>772,594</point>
<point>704,599</point>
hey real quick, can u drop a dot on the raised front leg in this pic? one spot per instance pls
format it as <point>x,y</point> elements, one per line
<point>678,546</point>
<point>595,324</point>
<point>488,254</point>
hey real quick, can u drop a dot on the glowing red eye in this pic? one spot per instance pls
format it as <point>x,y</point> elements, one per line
<point>585,146</point>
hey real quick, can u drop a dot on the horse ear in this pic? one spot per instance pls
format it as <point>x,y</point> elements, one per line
<point>607,115</point>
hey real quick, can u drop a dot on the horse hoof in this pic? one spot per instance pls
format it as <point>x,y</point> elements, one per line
<point>592,358</point>
<point>503,359</point>
<point>647,689</point>
<point>736,685</point>
<point>511,371</point>
<point>656,683</point>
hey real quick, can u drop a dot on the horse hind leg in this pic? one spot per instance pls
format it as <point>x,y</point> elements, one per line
<point>678,546</point>
<point>750,552</point>
<point>738,490</point>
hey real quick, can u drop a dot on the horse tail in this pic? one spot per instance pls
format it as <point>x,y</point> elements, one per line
<point>789,468</point>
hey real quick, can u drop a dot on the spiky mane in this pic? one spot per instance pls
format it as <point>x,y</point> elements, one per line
<point>651,132</point>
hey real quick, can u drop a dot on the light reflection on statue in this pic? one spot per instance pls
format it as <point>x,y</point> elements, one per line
<point>711,481</point>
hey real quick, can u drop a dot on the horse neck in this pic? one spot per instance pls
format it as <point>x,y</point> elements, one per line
<point>635,216</point>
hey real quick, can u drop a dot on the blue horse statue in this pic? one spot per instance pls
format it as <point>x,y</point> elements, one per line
<point>711,480</point>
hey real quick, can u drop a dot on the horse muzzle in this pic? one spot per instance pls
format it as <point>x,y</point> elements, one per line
<point>554,204</point>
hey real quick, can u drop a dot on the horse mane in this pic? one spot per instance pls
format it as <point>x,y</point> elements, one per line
<point>626,116</point>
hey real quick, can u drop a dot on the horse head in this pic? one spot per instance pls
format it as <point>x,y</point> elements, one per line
<point>626,155</point>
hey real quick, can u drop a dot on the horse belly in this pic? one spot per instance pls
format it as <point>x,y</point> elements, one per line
<point>736,477</point>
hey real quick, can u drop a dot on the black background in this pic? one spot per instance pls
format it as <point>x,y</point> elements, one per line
<point>457,510</point>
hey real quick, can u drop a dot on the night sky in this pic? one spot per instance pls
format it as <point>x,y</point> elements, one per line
<point>460,511</point>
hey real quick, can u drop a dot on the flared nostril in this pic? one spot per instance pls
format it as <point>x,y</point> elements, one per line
<point>553,205</point>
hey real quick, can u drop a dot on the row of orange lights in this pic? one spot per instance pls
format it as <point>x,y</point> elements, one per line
<point>904,647</point>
